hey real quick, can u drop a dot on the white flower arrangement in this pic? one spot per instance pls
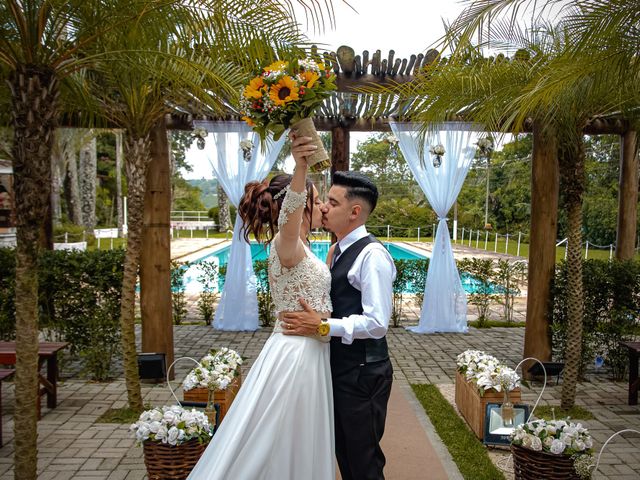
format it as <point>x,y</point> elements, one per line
<point>216,371</point>
<point>437,150</point>
<point>246,146</point>
<point>485,145</point>
<point>487,371</point>
<point>173,425</point>
<point>559,437</point>
<point>200,132</point>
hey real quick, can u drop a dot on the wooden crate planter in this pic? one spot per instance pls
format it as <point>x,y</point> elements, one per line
<point>472,406</point>
<point>222,397</point>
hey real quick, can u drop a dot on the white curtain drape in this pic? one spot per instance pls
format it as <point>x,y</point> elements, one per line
<point>445,301</point>
<point>238,306</point>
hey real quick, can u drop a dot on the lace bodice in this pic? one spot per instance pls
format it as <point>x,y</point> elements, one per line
<point>310,279</point>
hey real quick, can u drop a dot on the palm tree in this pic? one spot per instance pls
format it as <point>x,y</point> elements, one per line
<point>42,44</point>
<point>549,82</point>
<point>39,48</point>
<point>160,73</point>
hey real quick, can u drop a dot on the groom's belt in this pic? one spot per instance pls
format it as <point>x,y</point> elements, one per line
<point>360,352</point>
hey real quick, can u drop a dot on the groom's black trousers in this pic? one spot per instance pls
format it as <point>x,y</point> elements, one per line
<point>360,397</point>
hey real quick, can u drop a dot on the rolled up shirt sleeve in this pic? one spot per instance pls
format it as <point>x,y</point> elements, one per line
<point>373,273</point>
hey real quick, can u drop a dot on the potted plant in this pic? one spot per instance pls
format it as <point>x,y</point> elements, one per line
<point>483,379</point>
<point>217,379</point>
<point>551,449</point>
<point>173,440</point>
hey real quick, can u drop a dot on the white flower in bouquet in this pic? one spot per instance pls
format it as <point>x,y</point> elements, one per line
<point>171,424</point>
<point>246,146</point>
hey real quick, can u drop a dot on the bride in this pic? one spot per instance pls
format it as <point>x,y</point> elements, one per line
<point>280,426</point>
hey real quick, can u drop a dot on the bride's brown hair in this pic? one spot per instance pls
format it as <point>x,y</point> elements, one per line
<point>259,211</point>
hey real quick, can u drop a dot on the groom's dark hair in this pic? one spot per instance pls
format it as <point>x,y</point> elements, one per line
<point>357,185</point>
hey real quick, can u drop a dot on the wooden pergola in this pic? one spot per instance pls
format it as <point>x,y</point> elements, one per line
<point>348,110</point>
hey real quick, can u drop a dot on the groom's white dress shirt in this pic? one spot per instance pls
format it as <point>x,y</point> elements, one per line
<point>372,272</point>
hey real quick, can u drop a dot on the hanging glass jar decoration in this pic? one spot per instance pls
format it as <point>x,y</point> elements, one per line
<point>199,134</point>
<point>246,146</point>
<point>437,152</point>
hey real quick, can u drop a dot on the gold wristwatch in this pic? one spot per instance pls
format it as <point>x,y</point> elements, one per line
<point>324,328</point>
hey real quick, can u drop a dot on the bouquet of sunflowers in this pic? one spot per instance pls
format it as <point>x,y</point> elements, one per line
<point>287,94</point>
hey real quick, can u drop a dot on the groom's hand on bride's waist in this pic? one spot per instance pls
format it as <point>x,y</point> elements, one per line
<point>301,323</point>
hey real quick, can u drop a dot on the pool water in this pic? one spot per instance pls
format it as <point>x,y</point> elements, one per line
<point>320,249</point>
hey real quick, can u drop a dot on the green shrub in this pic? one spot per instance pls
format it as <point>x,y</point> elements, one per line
<point>80,303</point>
<point>611,311</point>
<point>482,270</point>
<point>266,308</point>
<point>178,300</point>
<point>209,279</point>
<point>7,293</point>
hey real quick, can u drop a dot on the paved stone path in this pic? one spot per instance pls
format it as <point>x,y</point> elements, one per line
<point>72,445</point>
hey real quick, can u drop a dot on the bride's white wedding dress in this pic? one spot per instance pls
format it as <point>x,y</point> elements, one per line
<point>280,426</point>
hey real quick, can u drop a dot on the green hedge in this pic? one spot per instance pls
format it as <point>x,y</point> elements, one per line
<point>79,298</point>
<point>611,312</point>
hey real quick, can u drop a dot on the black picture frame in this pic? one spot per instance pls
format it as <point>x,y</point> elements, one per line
<point>495,433</point>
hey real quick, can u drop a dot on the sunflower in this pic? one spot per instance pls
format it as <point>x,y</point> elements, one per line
<point>249,121</point>
<point>285,91</point>
<point>255,88</point>
<point>276,66</point>
<point>309,77</point>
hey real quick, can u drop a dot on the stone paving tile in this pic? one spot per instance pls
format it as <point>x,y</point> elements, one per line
<point>71,445</point>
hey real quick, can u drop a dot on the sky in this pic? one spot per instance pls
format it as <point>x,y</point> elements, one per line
<point>406,26</point>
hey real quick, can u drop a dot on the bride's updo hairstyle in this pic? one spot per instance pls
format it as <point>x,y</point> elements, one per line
<point>259,211</point>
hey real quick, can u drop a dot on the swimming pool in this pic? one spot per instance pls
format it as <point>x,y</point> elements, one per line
<point>320,249</point>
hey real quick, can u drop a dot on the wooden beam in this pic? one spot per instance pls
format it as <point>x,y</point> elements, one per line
<point>542,244</point>
<point>627,196</point>
<point>155,258</point>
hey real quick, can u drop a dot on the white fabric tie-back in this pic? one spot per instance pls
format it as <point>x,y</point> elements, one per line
<point>238,306</point>
<point>445,302</point>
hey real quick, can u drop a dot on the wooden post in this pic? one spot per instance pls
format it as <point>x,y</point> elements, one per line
<point>155,258</point>
<point>339,149</point>
<point>627,196</point>
<point>339,154</point>
<point>542,248</point>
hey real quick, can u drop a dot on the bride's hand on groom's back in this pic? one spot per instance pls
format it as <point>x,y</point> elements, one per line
<point>303,323</point>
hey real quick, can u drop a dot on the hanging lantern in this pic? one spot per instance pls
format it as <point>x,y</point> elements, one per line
<point>199,134</point>
<point>437,153</point>
<point>246,146</point>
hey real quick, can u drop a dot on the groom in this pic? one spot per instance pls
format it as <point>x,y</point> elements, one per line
<point>362,273</point>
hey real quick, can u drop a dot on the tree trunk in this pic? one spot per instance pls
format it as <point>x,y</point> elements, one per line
<point>72,189</point>
<point>155,256</point>
<point>57,167</point>
<point>542,248</point>
<point>88,173</point>
<point>627,197</point>
<point>119,159</point>
<point>571,158</point>
<point>224,214</point>
<point>137,154</point>
<point>34,102</point>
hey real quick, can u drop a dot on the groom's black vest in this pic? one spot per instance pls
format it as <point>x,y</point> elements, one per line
<point>346,301</point>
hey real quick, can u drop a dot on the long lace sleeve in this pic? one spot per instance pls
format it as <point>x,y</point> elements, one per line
<point>292,202</point>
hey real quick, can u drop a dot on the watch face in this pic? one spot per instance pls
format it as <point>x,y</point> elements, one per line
<point>323,329</point>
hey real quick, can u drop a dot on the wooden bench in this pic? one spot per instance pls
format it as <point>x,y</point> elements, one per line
<point>634,381</point>
<point>47,355</point>
<point>4,374</point>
